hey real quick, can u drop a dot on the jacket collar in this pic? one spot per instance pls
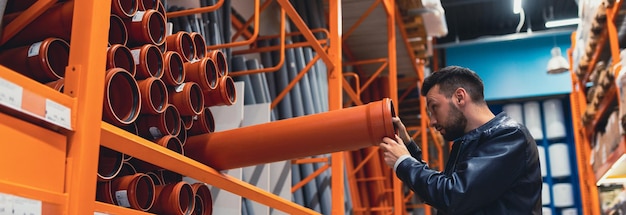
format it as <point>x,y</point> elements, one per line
<point>474,134</point>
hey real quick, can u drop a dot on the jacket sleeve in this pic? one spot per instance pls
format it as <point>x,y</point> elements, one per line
<point>480,177</point>
<point>415,150</point>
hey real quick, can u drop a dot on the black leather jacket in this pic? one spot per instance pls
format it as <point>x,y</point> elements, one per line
<point>493,169</point>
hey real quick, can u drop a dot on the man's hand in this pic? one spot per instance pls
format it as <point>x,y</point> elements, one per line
<point>404,135</point>
<point>393,149</point>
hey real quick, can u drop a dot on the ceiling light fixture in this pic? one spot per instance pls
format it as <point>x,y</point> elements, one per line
<point>558,63</point>
<point>517,6</point>
<point>562,22</point>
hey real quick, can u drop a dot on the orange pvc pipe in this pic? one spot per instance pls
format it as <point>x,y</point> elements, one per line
<point>154,95</point>
<point>203,199</point>
<point>43,61</point>
<point>183,43</point>
<point>309,178</point>
<point>148,60</point>
<point>293,82</point>
<point>187,121</point>
<point>134,191</point>
<point>109,163</point>
<point>148,4</point>
<point>224,94</point>
<point>57,20</point>
<point>57,85</point>
<point>220,60</point>
<point>332,131</point>
<point>174,199</point>
<point>168,141</point>
<point>124,8</point>
<point>182,133</point>
<point>199,44</point>
<point>187,12</point>
<point>122,102</point>
<point>203,123</point>
<point>173,69</point>
<point>118,34</point>
<point>156,126</point>
<point>204,72</point>
<point>187,98</point>
<point>120,56</point>
<point>146,27</point>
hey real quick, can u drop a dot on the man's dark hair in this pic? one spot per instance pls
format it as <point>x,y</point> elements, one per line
<point>452,77</point>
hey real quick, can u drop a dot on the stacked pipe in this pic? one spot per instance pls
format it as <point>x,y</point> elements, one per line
<point>177,80</point>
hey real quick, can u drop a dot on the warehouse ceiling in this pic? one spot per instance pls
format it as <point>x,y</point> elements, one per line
<point>475,19</point>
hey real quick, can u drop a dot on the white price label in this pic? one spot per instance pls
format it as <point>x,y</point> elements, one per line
<point>33,50</point>
<point>180,88</point>
<point>58,114</point>
<point>26,206</point>
<point>138,16</point>
<point>135,53</point>
<point>10,94</point>
<point>122,198</point>
<point>99,213</point>
<point>194,60</point>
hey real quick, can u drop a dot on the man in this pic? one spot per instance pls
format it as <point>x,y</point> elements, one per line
<point>493,166</point>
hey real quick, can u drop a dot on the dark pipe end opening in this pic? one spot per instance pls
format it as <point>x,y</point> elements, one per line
<point>200,45</point>
<point>123,58</point>
<point>230,90</point>
<point>175,145</point>
<point>129,8</point>
<point>158,95</point>
<point>118,34</point>
<point>154,59</point>
<point>58,55</point>
<point>121,86</point>
<point>145,192</point>
<point>208,117</point>
<point>185,198</point>
<point>187,46</point>
<point>196,98</point>
<point>172,120</point>
<point>157,28</point>
<point>212,72</point>
<point>221,63</point>
<point>177,68</point>
<point>109,163</point>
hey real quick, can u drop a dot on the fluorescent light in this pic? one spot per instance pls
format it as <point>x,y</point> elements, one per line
<point>562,22</point>
<point>517,6</point>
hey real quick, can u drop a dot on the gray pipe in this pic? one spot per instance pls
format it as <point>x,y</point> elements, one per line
<point>258,87</point>
<point>239,64</point>
<point>282,79</point>
<point>298,195</point>
<point>305,86</point>
<point>315,91</point>
<point>296,92</point>
<point>266,60</point>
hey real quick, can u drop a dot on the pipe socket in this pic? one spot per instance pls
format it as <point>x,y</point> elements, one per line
<point>124,8</point>
<point>173,69</point>
<point>148,4</point>
<point>154,96</point>
<point>174,199</point>
<point>224,94</point>
<point>120,56</point>
<point>43,61</point>
<point>340,130</point>
<point>122,101</point>
<point>135,191</point>
<point>187,98</point>
<point>203,123</point>
<point>146,27</point>
<point>220,59</point>
<point>155,126</point>
<point>204,72</point>
<point>149,61</point>
<point>203,199</point>
<point>199,44</point>
<point>118,34</point>
<point>181,42</point>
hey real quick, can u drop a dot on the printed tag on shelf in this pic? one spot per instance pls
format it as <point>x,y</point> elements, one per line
<point>180,88</point>
<point>58,114</point>
<point>10,94</point>
<point>154,131</point>
<point>138,16</point>
<point>135,53</point>
<point>26,206</point>
<point>99,213</point>
<point>122,198</point>
<point>33,50</point>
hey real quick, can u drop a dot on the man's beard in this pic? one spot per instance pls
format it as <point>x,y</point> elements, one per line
<point>455,125</point>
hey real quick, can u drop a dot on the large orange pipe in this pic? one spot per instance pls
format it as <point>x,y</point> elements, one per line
<point>345,129</point>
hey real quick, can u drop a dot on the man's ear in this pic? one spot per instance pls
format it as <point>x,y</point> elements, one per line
<point>460,95</point>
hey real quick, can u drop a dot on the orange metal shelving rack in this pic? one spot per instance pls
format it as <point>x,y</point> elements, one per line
<point>73,136</point>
